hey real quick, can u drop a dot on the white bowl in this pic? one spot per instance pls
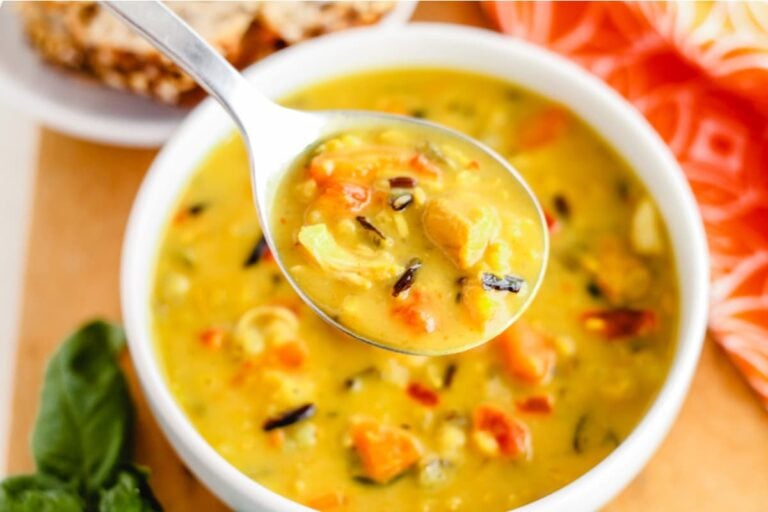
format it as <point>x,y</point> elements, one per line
<point>86,108</point>
<point>436,46</point>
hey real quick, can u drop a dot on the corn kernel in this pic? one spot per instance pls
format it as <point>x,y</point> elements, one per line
<point>485,443</point>
<point>419,196</point>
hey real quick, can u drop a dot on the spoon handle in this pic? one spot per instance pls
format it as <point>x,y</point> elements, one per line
<point>180,43</point>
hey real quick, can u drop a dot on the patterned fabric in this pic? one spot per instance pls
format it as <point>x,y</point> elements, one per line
<point>686,72</point>
<point>729,40</point>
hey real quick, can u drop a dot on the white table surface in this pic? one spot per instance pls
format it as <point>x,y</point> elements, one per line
<point>18,142</point>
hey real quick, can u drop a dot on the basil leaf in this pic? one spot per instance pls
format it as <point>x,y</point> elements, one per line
<point>38,493</point>
<point>82,430</point>
<point>130,493</point>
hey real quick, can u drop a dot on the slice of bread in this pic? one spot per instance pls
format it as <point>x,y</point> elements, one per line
<point>84,37</point>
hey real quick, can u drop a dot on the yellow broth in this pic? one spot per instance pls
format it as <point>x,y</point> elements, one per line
<point>240,350</point>
<point>413,229</point>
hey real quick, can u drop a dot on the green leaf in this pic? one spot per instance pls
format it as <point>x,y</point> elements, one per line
<point>38,493</point>
<point>130,493</point>
<point>83,427</point>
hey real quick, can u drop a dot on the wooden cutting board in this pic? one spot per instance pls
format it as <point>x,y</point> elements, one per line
<point>715,458</point>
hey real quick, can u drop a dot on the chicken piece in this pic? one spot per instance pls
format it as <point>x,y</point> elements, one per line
<point>324,249</point>
<point>461,227</point>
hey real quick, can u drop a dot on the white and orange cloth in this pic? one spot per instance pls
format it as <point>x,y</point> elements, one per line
<point>698,71</point>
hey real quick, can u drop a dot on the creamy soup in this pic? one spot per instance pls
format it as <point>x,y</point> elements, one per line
<point>413,229</point>
<point>339,425</point>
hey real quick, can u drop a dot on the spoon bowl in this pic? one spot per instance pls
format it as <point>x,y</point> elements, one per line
<point>276,137</point>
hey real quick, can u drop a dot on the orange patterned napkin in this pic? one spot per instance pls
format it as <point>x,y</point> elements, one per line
<point>699,74</point>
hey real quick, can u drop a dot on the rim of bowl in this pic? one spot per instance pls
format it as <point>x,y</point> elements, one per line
<point>597,104</point>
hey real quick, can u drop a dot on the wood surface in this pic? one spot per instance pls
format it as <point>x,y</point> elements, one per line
<point>715,458</point>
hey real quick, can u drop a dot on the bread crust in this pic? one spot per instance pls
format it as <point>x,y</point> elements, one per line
<point>83,37</point>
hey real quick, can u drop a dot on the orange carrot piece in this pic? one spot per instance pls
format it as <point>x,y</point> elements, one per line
<point>511,435</point>
<point>291,355</point>
<point>537,404</point>
<point>414,312</point>
<point>528,354</point>
<point>423,394</point>
<point>213,337</point>
<point>358,164</point>
<point>543,128</point>
<point>384,451</point>
<point>276,438</point>
<point>327,501</point>
<point>350,196</point>
<point>243,373</point>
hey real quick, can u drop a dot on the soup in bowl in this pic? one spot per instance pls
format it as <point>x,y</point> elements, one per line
<point>274,409</point>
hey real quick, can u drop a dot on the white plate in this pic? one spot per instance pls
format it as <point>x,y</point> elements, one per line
<point>84,108</point>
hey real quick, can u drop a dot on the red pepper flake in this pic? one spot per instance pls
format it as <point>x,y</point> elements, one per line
<point>192,210</point>
<point>474,165</point>
<point>552,223</point>
<point>619,323</point>
<point>537,404</point>
<point>423,394</point>
<point>512,435</point>
<point>213,337</point>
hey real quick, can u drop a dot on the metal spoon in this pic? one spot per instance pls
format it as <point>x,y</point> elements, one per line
<point>276,136</point>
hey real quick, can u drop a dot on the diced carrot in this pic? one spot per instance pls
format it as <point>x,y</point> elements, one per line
<point>243,373</point>
<point>512,436</point>
<point>327,501</point>
<point>527,353</point>
<point>619,323</point>
<point>213,337</point>
<point>321,170</point>
<point>543,127</point>
<point>276,438</point>
<point>355,164</point>
<point>349,196</point>
<point>423,394</point>
<point>414,312</point>
<point>422,164</point>
<point>542,404</point>
<point>291,354</point>
<point>181,216</point>
<point>384,451</point>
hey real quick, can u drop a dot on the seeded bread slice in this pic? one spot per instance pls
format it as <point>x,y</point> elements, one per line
<point>82,36</point>
<point>297,21</point>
